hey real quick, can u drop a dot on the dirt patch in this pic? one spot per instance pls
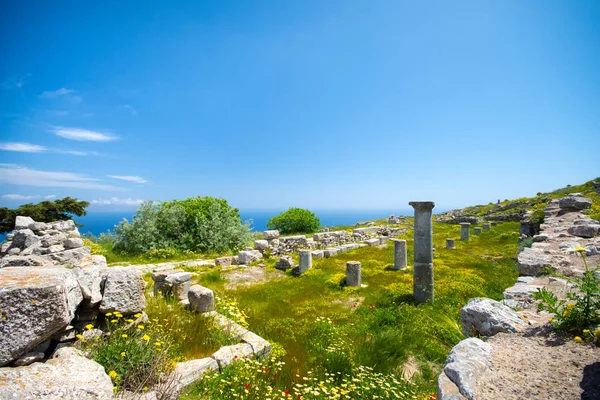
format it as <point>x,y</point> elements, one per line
<point>250,276</point>
<point>540,365</point>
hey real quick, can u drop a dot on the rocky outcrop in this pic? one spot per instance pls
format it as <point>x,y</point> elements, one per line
<point>68,375</point>
<point>465,364</point>
<point>487,317</point>
<point>123,291</point>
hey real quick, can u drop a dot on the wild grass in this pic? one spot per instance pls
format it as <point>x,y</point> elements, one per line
<point>326,328</point>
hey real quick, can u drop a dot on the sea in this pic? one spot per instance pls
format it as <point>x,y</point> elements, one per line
<point>97,222</point>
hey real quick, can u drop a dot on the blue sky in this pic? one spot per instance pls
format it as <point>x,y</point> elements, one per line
<point>318,104</point>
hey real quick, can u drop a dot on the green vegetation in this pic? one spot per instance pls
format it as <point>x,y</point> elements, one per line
<point>295,220</point>
<point>581,310</point>
<point>45,211</point>
<point>334,335</point>
<point>197,224</point>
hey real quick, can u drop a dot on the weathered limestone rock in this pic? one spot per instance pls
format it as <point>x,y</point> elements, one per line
<point>260,346</point>
<point>449,243</point>
<point>353,275</point>
<point>24,238</point>
<point>68,375</point>
<point>465,230</point>
<point>249,256</point>
<point>447,390</point>
<point>24,261</point>
<point>488,317</point>
<point>52,240</point>
<point>466,363</point>
<point>477,231</point>
<point>73,243</point>
<point>423,251</point>
<point>261,244</point>
<point>23,222</point>
<point>201,299</point>
<point>305,261</point>
<point>584,231</point>
<point>224,261</point>
<point>318,254</point>
<point>227,354</point>
<point>486,226</point>
<point>532,262</point>
<point>400,257</point>
<point>188,372</point>
<point>270,235</point>
<point>72,257</point>
<point>123,291</point>
<point>180,285</point>
<point>285,263</point>
<point>161,286</point>
<point>574,202</point>
<point>64,226</point>
<point>91,278</point>
<point>331,252</point>
<point>35,304</point>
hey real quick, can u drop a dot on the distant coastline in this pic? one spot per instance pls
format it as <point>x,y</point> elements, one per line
<point>98,222</point>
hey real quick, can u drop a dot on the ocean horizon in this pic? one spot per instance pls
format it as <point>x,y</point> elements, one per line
<point>96,222</point>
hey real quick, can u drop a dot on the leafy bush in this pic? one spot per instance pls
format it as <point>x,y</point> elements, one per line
<point>295,220</point>
<point>523,243</point>
<point>198,225</point>
<point>581,310</point>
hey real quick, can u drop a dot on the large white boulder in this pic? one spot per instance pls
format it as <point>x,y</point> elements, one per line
<point>35,304</point>
<point>123,291</point>
<point>68,375</point>
<point>23,222</point>
<point>487,317</point>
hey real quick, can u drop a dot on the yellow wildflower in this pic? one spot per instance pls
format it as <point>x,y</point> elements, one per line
<point>112,374</point>
<point>550,320</point>
<point>89,326</point>
<point>586,331</point>
<point>577,339</point>
<point>157,344</point>
<point>579,249</point>
<point>140,326</point>
<point>137,315</point>
<point>570,305</point>
<point>146,337</point>
<point>124,336</point>
<point>597,334</point>
<point>129,320</point>
<point>78,336</point>
<point>108,314</point>
<point>123,354</point>
<point>114,321</point>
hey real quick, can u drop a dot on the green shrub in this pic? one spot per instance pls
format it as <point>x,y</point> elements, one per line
<point>295,220</point>
<point>581,310</point>
<point>197,224</point>
<point>523,243</point>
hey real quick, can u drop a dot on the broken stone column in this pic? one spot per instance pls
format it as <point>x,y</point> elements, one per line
<point>465,230</point>
<point>201,299</point>
<point>423,251</point>
<point>353,273</point>
<point>486,226</point>
<point>399,254</point>
<point>449,243</point>
<point>305,261</point>
<point>477,231</point>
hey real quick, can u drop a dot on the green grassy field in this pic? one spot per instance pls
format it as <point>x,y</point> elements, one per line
<point>329,329</point>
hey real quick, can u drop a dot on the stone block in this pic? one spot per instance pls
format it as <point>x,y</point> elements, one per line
<point>249,256</point>
<point>201,299</point>
<point>23,222</point>
<point>227,354</point>
<point>188,372</point>
<point>123,291</point>
<point>353,274</point>
<point>261,244</point>
<point>488,317</point>
<point>269,235</point>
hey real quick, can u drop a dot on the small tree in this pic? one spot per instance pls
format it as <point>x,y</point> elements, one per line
<point>45,211</point>
<point>295,220</point>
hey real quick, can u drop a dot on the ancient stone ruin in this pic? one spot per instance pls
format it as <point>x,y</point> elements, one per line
<point>423,251</point>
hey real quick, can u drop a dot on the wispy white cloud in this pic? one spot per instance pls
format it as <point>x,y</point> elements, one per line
<point>83,134</point>
<point>130,108</point>
<point>19,175</point>
<point>22,147</point>
<point>34,148</point>
<point>51,94</point>
<point>118,201</point>
<point>129,178</point>
<point>23,197</point>
<point>15,82</point>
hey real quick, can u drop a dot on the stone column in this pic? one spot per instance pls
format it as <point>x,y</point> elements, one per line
<point>494,223</point>
<point>449,243</point>
<point>465,230</point>
<point>305,261</point>
<point>353,273</point>
<point>399,254</point>
<point>486,226</point>
<point>477,231</point>
<point>423,249</point>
